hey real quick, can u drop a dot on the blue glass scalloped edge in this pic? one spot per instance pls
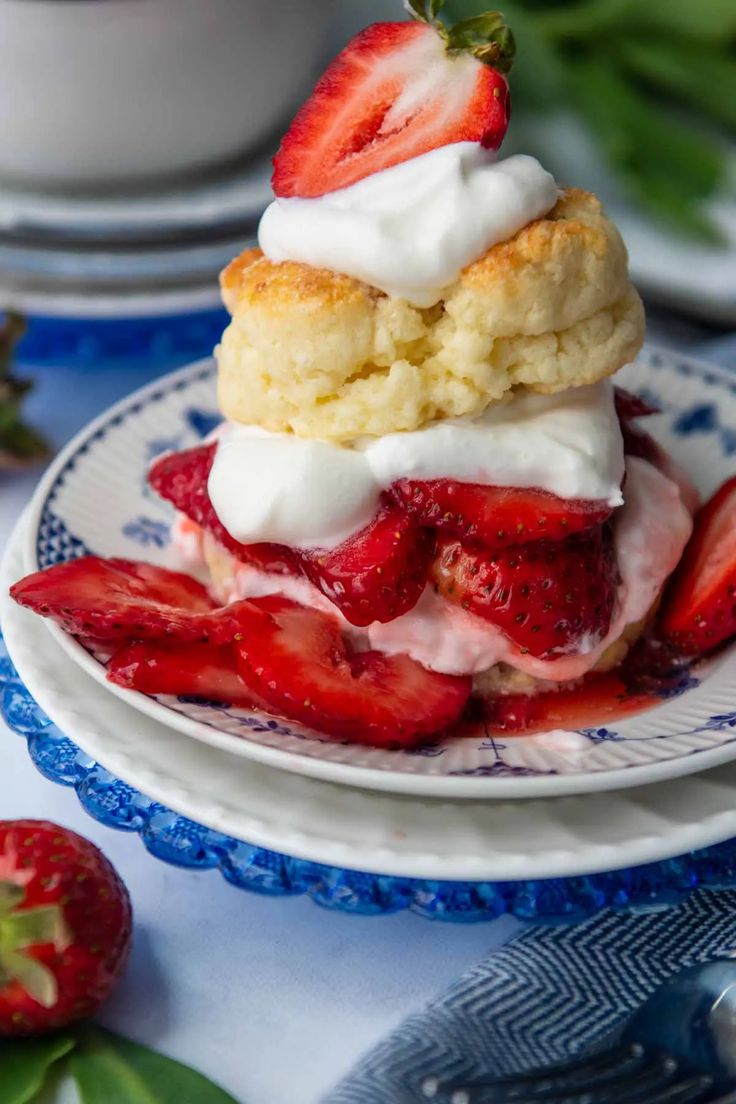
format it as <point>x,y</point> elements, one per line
<point>182,842</point>
<point>167,341</point>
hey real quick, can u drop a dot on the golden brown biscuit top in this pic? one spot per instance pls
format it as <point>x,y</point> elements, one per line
<point>322,354</point>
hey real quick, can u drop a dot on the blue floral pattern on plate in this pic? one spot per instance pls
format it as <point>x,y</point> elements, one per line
<point>177,840</point>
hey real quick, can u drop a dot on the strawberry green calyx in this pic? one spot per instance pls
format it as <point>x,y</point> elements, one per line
<point>486,36</point>
<point>21,929</point>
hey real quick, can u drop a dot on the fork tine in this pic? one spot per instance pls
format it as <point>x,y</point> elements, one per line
<point>689,1091</point>
<point>610,1067</point>
<point>648,1089</point>
<point>620,1057</point>
<point>633,1080</point>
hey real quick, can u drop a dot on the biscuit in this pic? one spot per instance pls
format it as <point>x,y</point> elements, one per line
<point>323,355</point>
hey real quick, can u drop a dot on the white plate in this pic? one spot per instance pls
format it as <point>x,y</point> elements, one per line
<point>351,828</point>
<point>225,198</point>
<point>94,497</point>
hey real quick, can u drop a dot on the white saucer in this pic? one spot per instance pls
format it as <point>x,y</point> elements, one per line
<point>352,828</point>
<point>94,497</point>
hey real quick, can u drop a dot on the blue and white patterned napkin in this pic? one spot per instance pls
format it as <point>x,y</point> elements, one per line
<point>546,995</point>
<point>550,992</point>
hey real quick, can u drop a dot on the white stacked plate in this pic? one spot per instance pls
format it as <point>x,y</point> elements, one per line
<point>477,808</point>
<point>103,256</point>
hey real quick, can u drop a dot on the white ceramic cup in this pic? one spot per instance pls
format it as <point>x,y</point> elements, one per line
<point>116,92</point>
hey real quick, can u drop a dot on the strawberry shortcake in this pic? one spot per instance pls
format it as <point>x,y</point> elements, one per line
<point>426,493</point>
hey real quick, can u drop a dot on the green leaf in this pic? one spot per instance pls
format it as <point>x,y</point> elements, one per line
<point>24,1064</point>
<point>704,20</point>
<point>111,1070</point>
<point>656,194</point>
<point>664,165</point>
<point>22,442</point>
<point>642,141</point>
<point>711,20</point>
<point>698,76</point>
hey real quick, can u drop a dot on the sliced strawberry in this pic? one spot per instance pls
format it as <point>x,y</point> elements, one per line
<point>118,600</point>
<point>181,478</point>
<point>637,442</point>
<point>397,90</point>
<point>629,405</point>
<point>548,598</point>
<point>497,516</point>
<point>377,574</point>
<point>300,665</point>
<point>699,609</point>
<point>205,671</point>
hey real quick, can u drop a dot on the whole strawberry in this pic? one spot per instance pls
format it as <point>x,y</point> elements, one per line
<point>65,927</point>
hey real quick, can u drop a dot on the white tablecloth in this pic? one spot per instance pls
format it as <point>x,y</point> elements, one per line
<point>272,997</point>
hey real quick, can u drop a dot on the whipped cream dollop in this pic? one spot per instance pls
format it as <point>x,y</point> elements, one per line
<point>307,493</point>
<point>411,229</point>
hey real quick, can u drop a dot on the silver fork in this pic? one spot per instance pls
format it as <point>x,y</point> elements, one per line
<point>679,1047</point>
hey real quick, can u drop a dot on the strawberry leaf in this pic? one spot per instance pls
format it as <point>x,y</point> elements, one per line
<point>111,1070</point>
<point>19,445</point>
<point>485,36</point>
<point>426,11</point>
<point>24,1064</point>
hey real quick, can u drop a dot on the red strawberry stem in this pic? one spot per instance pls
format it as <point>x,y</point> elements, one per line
<point>21,929</point>
<point>485,36</point>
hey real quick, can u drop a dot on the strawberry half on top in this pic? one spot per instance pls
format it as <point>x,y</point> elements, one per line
<point>396,91</point>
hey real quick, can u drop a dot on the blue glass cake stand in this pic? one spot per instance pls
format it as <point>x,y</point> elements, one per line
<point>180,841</point>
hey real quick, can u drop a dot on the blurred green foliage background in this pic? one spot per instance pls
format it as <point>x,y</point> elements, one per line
<point>654,82</point>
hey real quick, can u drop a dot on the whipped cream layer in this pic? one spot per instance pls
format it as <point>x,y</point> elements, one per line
<point>411,229</point>
<point>650,533</point>
<point>314,494</point>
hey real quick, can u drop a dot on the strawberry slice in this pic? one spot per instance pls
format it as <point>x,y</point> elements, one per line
<point>118,600</point>
<point>206,671</point>
<point>637,442</point>
<point>699,609</point>
<point>299,663</point>
<point>497,516</point>
<point>181,478</point>
<point>629,405</point>
<point>398,90</point>
<point>377,574</point>
<point>548,598</point>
